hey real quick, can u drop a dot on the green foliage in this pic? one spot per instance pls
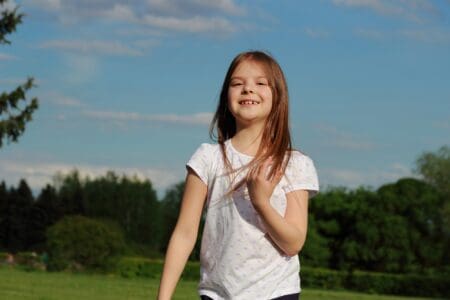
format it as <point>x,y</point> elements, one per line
<point>435,168</point>
<point>315,252</point>
<point>13,116</point>
<point>368,282</point>
<point>377,283</point>
<point>30,261</point>
<point>77,242</point>
<point>131,267</point>
<point>132,203</point>
<point>398,228</point>
<point>170,208</point>
<point>8,22</point>
<point>14,223</point>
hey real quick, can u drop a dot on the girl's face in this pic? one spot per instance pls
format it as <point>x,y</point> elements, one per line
<point>249,94</point>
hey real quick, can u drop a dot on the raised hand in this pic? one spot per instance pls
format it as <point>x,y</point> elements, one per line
<point>261,185</point>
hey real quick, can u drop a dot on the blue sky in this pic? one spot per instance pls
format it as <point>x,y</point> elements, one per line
<point>131,86</point>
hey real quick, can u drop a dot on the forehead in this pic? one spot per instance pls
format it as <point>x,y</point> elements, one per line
<point>250,68</point>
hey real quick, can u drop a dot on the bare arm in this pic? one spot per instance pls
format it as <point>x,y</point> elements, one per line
<point>184,235</point>
<point>288,232</point>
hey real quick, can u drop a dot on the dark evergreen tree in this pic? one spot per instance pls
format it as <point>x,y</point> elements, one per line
<point>46,211</point>
<point>15,110</point>
<point>3,213</point>
<point>15,222</point>
<point>170,208</point>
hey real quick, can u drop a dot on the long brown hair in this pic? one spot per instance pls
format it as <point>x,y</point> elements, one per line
<point>276,137</point>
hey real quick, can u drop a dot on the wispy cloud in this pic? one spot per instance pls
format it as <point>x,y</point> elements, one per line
<point>195,24</point>
<point>8,5</point>
<point>182,7</point>
<point>191,16</point>
<point>442,124</point>
<point>316,33</point>
<point>7,57</point>
<point>194,119</point>
<point>90,47</point>
<point>62,100</point>
<point>340,139</point>
<point>38,174</point>
<point>374,177</point>
<point>428,35</point>
<point>413,10</point>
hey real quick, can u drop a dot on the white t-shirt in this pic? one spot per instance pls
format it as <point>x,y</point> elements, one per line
<point>237,259</point>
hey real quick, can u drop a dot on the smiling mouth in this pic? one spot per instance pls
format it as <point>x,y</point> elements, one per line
<point>248,102</point>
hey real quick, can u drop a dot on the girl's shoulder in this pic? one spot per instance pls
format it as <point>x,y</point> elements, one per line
<point>297,155</point>
<point>207,151</point>
<point>208,147</point>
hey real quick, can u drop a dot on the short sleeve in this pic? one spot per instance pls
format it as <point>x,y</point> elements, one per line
<point>200,162</point>
<point>301,174</point>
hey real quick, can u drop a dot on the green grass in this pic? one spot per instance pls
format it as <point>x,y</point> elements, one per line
<point>17,285</point>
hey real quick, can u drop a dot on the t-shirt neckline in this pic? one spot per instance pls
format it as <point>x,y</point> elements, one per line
<point>230,145</point>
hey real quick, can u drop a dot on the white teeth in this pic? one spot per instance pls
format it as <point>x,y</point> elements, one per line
<point>248,102</point>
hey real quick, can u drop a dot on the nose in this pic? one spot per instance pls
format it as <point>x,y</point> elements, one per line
<point>248,88</point>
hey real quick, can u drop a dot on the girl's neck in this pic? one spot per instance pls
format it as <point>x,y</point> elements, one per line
<point>247,139</point>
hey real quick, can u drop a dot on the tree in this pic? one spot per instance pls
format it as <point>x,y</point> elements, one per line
<point>14,114</point>
<point>15,221</point>
<point>131,202</point>
<point>170,209</point>
<point>435,168</point>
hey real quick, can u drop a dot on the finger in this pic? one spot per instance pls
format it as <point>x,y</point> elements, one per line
<point>253,173</point>
<point>266,169</point>
<point>278,175</point>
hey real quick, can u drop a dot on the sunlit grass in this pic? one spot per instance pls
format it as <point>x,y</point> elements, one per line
<point>17,285</point>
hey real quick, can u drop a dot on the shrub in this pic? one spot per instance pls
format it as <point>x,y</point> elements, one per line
<point>30,261</point>
<point>131,267</point>
<point>78,242</point>
<point>3,257</point>
<point>378,283</point>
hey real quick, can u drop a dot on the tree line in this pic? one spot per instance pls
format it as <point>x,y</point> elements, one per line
<point>399,227</point>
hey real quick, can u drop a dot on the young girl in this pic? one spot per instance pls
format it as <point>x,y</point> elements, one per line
<point>255,190</point>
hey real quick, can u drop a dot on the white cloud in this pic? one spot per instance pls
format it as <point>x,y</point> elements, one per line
<point>120,12</point>
<point>8,5</point>
<point>374,177</point>
<point>91,47</point>
<point>194,119</point>
<point>442,124</point>
<point>38,174</point>
<point>81,68</point>
<point>426,35</point>
<point>419,35</point>
<point>52,5</point>
<point>193,16</point>
<point>340,139</point>
<point>195,24</point>
<point>413,10</point>
<point>7,57</point>
<point>180,7</point>
<point>61,100</point>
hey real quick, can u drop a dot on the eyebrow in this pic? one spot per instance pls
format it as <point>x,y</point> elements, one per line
<point>258,77</point>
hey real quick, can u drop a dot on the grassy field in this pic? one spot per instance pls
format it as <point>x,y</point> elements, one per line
<point>17,285</point>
